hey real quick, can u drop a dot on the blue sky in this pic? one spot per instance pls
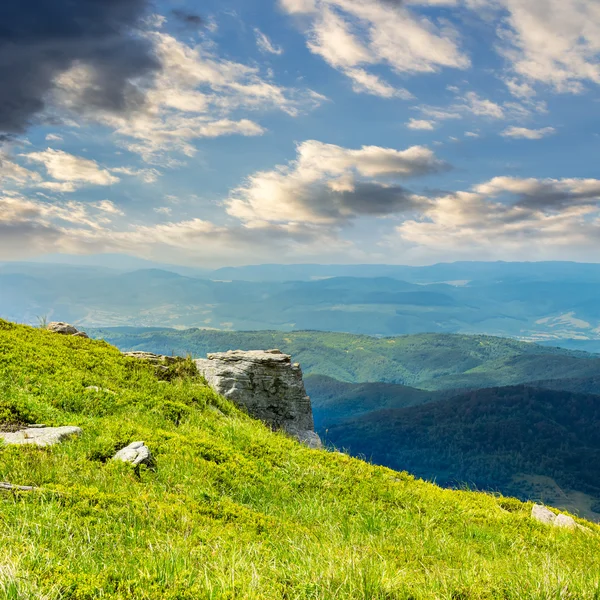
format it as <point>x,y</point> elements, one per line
<point>313,131</point>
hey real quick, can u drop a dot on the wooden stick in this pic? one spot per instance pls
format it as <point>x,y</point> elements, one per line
<point>9,487</point>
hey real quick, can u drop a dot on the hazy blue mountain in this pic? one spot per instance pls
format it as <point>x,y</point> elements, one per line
<point>553,303</point>
<point>457,271</point>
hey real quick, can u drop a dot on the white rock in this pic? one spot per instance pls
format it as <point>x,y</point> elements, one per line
<point>39,436</point>
<point>565,521</point>
<point>65,329</point>
<point>137,453</point>
<point>542,514</point>
<point>267,384</point>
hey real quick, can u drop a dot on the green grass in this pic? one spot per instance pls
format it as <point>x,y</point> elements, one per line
<point>233,510</point>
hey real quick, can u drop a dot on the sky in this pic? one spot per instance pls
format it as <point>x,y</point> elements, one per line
<point>228,132</point>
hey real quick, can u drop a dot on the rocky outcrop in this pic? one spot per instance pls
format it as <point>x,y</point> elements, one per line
<point>544,515</point>
<point>39,436</point>
<point>137,453</point>
<point>268,385</point>
<point>65,329</point>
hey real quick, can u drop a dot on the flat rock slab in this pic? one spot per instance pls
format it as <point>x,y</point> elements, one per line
<point>137,453</point>
<point>39,436</point>
<point>151,357</point>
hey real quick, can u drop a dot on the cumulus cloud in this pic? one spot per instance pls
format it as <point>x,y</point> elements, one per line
<point>352,36</point>
<point>505,217</point>
<point>69,171</point>
<point>328,184</point>
<point>29,227</point>
<point>546,194</point>
<point>528,134</point>
<point>40,40</point>
<point>264,44</point>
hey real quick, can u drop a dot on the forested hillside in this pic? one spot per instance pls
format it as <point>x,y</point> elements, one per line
<point>485,438</point>
<point>427,361</point>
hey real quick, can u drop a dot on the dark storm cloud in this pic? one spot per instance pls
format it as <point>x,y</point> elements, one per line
<point>40,39</point>
<point>187,18</point>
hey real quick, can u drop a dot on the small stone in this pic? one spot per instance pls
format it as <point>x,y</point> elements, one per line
<point>565,521</point>
<point>137,453</point>
<point>542,514</point>
<point>81,334</point>
<point>40,436</point>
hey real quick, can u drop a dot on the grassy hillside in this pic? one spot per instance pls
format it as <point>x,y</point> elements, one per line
<point>487,438</point>
<point>233,510</point>
<point>429,361</point>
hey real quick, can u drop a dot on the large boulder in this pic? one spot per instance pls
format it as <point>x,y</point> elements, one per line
<point>267,384</point>
<point>65,329</point>
<point>39,436</point>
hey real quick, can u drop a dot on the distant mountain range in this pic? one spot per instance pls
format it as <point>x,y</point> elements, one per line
<point>552,303</point>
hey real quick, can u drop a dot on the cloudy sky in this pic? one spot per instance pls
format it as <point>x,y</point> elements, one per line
<point>222,132</point>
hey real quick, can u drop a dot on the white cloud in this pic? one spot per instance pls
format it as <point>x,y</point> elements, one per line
<point>11,171</point>
<point>554,42</point>
<point>54,137</point>
<point>528,134</point>
<point>328,184</point>
<point>369,83</point>
<point>351,36</point>
<point>481,107</point>
<point>471,134</point>
<point>193,96</point>
<point>507,218</point>
<point>69,171</point>
<point>163,210</point>
<point>146,175</point>
<point>265,45</point>
<point>421,124</point>
<point>109,207</point>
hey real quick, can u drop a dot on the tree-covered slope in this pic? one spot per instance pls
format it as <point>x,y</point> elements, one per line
<point>486,438</point>
<point>334,401</point>
<point>232,510</point>
<point>429,361</point>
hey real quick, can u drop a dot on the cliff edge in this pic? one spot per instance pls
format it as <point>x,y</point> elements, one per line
<point>268,385</point>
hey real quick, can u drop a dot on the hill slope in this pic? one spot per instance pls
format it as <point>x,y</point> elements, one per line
<point>234,510</point>
<point>429,361</point>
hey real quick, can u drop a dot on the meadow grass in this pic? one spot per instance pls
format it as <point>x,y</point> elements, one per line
<point>233,510</point>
